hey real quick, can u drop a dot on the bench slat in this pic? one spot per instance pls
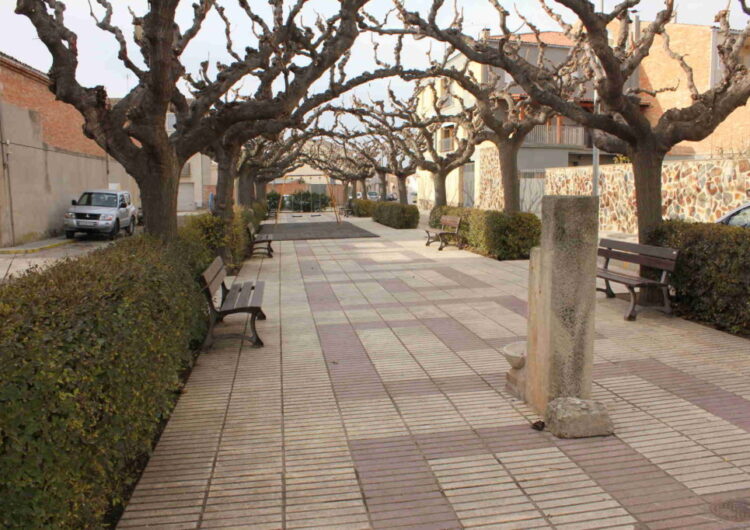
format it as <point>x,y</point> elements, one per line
<point>230,302</point>
<point>243,300</point>
<point>257,298</point>
<point>636,248</point>
<point>648,261</point>
<point>214,275</point>
<point>634,281</point>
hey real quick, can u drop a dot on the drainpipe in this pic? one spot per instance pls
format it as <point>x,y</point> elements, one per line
<point>5,160</point>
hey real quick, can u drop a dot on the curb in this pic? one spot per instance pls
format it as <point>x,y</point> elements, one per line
<point>5,251</point>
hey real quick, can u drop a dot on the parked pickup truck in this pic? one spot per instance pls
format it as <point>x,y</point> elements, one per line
<point>103,212</point>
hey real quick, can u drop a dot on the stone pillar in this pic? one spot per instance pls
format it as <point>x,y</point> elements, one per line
<point>561,328</point>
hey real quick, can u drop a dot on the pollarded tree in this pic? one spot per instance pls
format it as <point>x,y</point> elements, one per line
<point>340,160</point>
<point>611,61</point>
<point>435,140</point>
<point>285,61</point>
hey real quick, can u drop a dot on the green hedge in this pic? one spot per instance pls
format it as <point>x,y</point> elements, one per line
<point>228,239</point>
<point>363,207</point>
<point>396,215</point>
<point>712,277</point>
<point>494,233</point>
<point>91,356</point>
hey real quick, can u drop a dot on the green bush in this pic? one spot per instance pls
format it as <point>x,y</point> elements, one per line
<point>273,198</point>
<point>363,207</point>
<point>494,233</point>
<point>91,356</point>
<point>230,240</point>
<point>712,276</point>
<point>396,215</point>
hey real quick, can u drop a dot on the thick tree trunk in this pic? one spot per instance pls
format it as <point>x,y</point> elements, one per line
<point>346,191</point>
<point>647,163</point>
<point>441,197</point>
<point>159,199</point>
<point>246,188</point>
<point>508,154</point>
<point>260,191</point>
<point>383,186</point>
<point>403,194</point>
<point>226,158</point>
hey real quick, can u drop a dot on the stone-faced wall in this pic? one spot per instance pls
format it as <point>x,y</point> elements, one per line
<point>694,190</point>
<point>490,186</point>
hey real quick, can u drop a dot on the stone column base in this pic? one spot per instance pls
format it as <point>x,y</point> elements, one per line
<point>569,417</point>
<point>515,378</point>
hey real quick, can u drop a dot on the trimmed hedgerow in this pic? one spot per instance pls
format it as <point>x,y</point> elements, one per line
<point>91,353</point>
<point>396,215</point>
<point>228,239</point>
<point>362,207</point>
<point>712,275</point>
<point>494,233</point>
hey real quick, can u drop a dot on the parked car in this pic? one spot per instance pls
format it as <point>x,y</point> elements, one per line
<point>102,212</point>
<point>373,195</point>
<point>391,197</point>
<point>738,217</point>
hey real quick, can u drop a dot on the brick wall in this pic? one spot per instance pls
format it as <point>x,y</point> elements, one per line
<point>61,124</point>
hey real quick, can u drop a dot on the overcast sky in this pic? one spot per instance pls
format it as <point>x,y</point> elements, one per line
<point>98,51</point>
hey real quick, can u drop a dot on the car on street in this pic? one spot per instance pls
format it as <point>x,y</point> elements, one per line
<point>101,212</point>
<point>373,195</point>
<point>738,217</point>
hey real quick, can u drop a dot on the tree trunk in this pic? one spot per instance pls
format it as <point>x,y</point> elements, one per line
<point>346,191</point>
<point>403,194</point>
<point>508,154</point>
<point>260,191</point>
<point>383,186</point>
<point>246,188</point>
<point>226,158</point>
<point>159,199</point>
<point>647,163</point>
<point>440,194</point>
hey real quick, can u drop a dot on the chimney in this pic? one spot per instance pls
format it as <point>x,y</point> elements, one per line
<point>484,35</point>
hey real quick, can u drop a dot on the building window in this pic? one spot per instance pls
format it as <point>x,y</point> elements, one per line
<point>185,172</point>
<point>447,139</point>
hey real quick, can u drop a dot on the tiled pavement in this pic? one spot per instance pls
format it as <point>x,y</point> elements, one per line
<point>378,402</point>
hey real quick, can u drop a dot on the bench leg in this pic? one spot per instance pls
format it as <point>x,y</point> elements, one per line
<point>443,242</point>
<point>631,314</point>
<point>261,315</point>
<point>255,340</point>
<point>667,303</point>
<point>608,290</point>
<point>209,340</point>
<point>429,240</point>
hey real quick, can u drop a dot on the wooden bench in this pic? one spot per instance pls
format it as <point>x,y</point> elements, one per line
<point>449,225</point>
<point>658,258</point>
<point>242,297</point>
<point>259,243</point>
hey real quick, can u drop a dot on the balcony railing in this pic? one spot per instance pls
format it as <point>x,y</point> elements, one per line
<point>553,135</point>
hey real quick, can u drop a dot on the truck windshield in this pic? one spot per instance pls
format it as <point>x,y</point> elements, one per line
<point>107,200</point>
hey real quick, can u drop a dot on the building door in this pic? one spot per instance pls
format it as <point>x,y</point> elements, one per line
<point>467,178</point>
<point>186,197</point>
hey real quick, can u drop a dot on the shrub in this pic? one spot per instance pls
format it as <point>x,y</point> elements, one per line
<point>230,240</point>
<point>396,215</point>
<point>494,233</point>
<point>363,207</point>
<point>91,352</point>
<point>712,275</point>
<point>273,198</point>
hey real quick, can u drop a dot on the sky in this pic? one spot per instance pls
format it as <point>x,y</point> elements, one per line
<point>98,63</point>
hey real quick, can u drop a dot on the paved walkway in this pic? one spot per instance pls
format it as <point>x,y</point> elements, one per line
<point>378,402</point>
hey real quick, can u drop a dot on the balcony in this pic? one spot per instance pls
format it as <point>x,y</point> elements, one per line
<point>554,135</point>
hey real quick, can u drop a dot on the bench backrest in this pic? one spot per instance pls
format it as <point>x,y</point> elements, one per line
<point>661,258</point>
<point>450,221</point>
<point>213,277</point>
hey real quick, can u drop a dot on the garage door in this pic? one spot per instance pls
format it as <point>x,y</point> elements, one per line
<point>186,197</point>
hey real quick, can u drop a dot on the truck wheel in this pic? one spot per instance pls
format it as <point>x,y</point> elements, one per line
<point>70,234</point>
<point>115,229</point>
